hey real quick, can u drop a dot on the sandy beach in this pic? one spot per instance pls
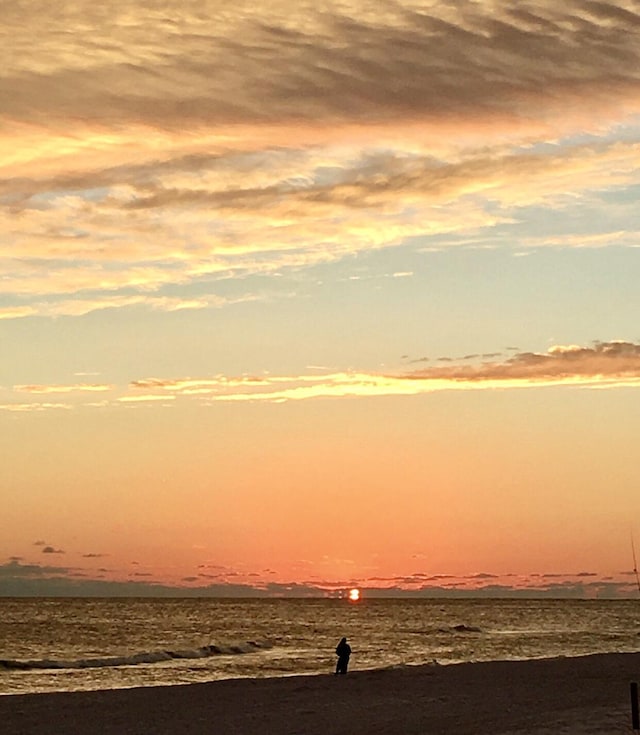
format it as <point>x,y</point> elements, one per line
<point>568,695</point>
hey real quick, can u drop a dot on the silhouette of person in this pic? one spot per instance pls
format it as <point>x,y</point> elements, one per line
<point>343,651</point>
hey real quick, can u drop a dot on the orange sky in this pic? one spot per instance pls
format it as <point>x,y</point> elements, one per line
<point>319,298</point>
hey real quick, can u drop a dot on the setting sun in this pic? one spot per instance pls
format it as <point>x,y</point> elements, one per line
<point>354,595</point>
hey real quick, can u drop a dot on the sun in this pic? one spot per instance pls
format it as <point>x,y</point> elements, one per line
<point>354,595</point>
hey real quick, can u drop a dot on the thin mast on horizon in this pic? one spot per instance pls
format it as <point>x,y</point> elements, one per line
<point>635,563</point>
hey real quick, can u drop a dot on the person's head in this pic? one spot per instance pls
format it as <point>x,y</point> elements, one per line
<point>344,640</point>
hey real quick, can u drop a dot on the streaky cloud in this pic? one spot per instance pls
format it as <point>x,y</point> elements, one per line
<point>78,388</point>
<point>603,365</point>
<point>308,63</point>
<point>604,361</point>
<point>434,120</point>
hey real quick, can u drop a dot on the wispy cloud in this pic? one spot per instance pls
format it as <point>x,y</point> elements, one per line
<point>617,361</point>
<point>287,139</point>
<point>306,63</point>
<point>613,364</point>
<point>35,406</point>
<point>78,388</point>
<point>605,364</point>
<point>147,398</point>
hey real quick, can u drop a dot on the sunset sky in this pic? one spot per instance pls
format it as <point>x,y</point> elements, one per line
<point>320,294</point>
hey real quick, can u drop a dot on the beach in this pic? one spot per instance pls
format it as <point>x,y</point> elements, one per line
<point>588,694</point>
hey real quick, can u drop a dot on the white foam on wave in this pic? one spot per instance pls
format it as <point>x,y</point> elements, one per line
<point>143,657</point>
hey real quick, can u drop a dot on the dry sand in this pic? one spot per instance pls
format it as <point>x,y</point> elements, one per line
<point>568,695</point>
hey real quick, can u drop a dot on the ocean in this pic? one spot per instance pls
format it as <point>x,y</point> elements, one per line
<point>71,644</point>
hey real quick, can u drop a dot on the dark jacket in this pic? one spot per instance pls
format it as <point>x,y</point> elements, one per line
<point>343,649</point>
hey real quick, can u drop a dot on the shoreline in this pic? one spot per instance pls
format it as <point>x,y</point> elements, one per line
<point>572,695</point>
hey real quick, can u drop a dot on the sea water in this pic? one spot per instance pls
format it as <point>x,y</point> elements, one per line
<point>72,644</point>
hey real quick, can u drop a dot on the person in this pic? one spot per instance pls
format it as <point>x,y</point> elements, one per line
<point>343,651</point>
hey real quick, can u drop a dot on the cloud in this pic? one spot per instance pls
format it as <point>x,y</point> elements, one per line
<point>617,361</point>
<point>321,65</point>
<point>18,579</point>
<point>52,550</point>
<point>603,365</point>
<point>145,399</point>
<point>370,202</point>
<point>17,312</point>
<point>285,139</point>
<point>15,569</point>
<point>470,586</point>
<point>28,407</point>
<point>82,387</point>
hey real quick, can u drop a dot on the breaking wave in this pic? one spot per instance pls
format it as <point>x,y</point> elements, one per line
<point>144,657</point>
<point>453,629</point>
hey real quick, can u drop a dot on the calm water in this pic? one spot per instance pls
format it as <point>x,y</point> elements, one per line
<point>111,643</point>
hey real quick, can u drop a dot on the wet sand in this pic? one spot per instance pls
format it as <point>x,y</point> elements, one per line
<point>566,696</point>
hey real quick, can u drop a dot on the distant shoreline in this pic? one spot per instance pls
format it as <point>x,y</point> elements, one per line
<point>585,694</point>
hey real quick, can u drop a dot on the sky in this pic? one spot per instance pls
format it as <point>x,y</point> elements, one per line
<point>302,296</point>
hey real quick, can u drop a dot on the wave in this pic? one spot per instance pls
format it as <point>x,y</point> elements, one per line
<point>143,657</point>
<point>466,629</point>
<point>461,628</point>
